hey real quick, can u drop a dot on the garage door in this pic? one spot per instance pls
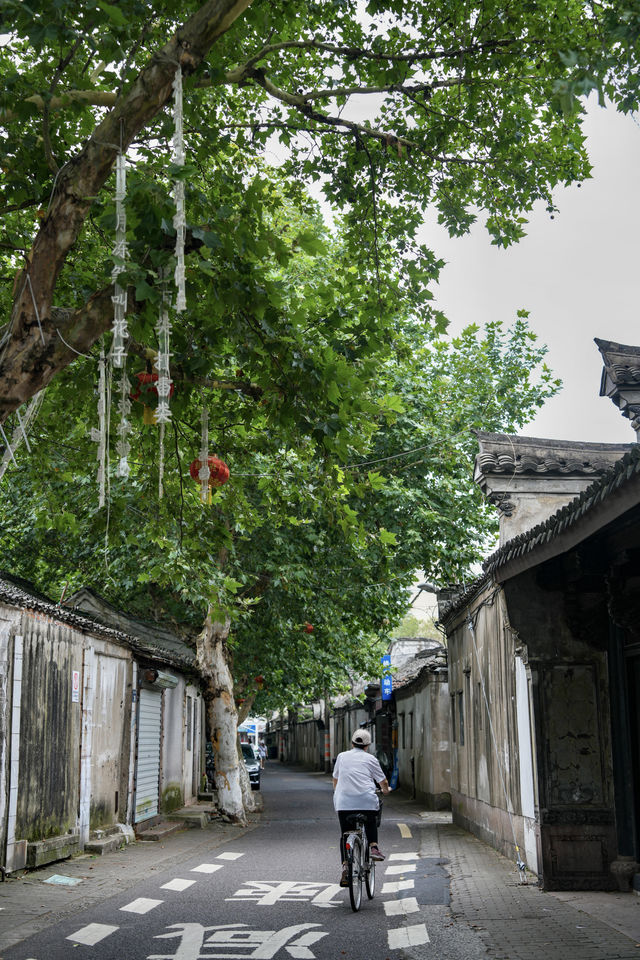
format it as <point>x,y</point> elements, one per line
<point>148,763</point>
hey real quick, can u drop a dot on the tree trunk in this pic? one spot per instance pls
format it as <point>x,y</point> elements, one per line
<point>245,784</point>
<point>212,653</point>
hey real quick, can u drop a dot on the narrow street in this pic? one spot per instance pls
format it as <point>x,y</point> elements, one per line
<point>273,891</point>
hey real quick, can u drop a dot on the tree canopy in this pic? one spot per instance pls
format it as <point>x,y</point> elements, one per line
<point>389,108</point>
<point>345,416</point>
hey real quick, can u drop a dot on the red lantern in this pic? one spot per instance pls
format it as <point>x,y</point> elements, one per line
<point>147,386</point>
<point>308,628</point>
<point>218,471</point>
<point>259,682</point>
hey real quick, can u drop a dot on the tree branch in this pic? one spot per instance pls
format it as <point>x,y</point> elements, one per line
<point>33,355</point>
<point>361,53</point>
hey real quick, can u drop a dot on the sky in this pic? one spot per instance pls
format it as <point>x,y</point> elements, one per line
<point>577,274</point>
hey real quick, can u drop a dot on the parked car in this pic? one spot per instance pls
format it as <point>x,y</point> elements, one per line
<point>252,763</point>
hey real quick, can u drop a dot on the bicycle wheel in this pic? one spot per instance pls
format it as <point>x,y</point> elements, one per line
<point>355,874</point>
<point>370,876</point>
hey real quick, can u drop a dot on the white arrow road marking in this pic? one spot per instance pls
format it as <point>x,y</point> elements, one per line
<point>229,856</point>
<point>405,831</point>
<point>403,856</point>
<point>92,934</point>
<point>408,936</point>
<point>400,868</point>
<point>395,886</point>
<point>207,868</point>
<point>396,908</point>
<point>141,905</point>
<point>177,884</point>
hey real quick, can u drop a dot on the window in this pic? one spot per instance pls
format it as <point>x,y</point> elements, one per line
<point>461,716</point>
<point>402,732</point>
<point>410,731</point>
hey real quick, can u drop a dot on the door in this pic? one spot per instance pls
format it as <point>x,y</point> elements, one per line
<point>148,759</point>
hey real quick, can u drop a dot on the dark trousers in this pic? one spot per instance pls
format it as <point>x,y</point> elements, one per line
<point>370,827</point>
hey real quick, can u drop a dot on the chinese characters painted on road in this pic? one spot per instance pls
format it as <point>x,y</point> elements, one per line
<point>238,941</point>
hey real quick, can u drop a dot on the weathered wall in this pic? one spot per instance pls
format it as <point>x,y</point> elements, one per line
<point>423,740</point>
<point>110,737</point>
<point>306,743</point>
<point>8,618</point>
<point>181,745</point>
<point>48,787</point>
<point>568,663</point>
<point>485,774</point>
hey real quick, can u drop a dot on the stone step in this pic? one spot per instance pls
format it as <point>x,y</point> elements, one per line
<point>191,817</point>
<point>108,844</point>
<point>159,831</point>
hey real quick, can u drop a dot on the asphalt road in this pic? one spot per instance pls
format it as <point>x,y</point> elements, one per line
<point>273,893</point>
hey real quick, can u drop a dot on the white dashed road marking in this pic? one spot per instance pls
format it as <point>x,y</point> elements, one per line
<point>177,884</point>
<point>395,886</point>
<point>403,856</point>
<point>229,856</point>
<point>408,936</point>
<point>141,905</point>
<point>405,831</point>
<point>92,934</point>
<point>400,868</point>
<point>207,868</point>
<point>395,908</point>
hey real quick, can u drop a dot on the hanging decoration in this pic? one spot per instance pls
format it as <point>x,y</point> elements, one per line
<point>179,220</point>
<point>219,472</point>
<point>123,447</point>
<point>146,392</point>
<point>203,469</point>
<point>20,434</point>
<point>308,628</point>
<point>164,387</point>
<point>119,297</point>
<point>99,435</point>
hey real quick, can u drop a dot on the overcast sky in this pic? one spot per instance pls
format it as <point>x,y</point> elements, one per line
<point>577,274</point>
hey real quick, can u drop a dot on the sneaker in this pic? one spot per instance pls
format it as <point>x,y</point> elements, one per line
<point>375,852</point>
<point>344,879</point>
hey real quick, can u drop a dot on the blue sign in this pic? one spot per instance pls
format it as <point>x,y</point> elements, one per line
<point>387,683</point>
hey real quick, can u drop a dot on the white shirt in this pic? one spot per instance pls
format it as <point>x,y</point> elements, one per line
<point>357,773</point>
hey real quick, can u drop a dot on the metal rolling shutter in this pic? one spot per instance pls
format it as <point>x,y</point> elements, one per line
<point>148,765</point>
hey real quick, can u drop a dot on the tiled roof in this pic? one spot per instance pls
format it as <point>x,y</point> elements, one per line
<point>505,454</point>
<point>568,516</point>
<point>427,661</point>
<point>19,593</point>
<point>544,533</point>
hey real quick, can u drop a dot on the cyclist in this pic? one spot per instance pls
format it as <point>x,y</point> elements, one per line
<point>355,776</point>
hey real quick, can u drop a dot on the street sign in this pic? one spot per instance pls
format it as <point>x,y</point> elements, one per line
<point>387,682</point>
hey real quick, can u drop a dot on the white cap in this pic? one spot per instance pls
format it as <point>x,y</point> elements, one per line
<point>362,738</point>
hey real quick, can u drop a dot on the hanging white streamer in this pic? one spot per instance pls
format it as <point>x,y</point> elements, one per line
<point>179,221</point>
<point>204,472</point>
<point>119,298</point>
<point>20,433</point>
<point>123,447</point>
<point>99,434</point>
<point>163,385</point>
<point>161,464</point>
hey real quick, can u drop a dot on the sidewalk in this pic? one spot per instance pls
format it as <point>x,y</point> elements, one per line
<point>27,905</point>
<point>521,922</point>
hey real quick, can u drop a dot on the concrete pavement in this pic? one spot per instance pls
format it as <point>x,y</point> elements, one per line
<point>489,914</point>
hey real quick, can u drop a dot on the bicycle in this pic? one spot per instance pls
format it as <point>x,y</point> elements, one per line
<point>360,867</point>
